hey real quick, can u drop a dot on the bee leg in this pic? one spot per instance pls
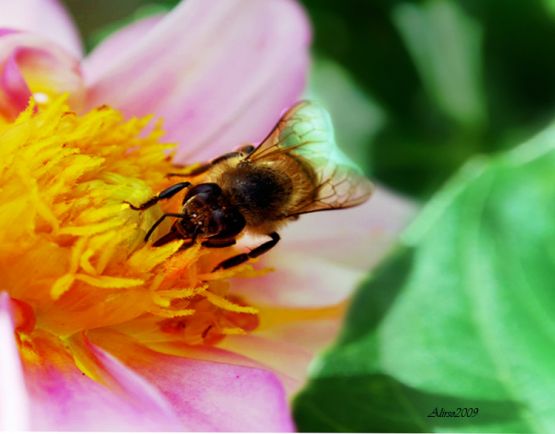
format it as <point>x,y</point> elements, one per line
<point>226,156</point>
<point>247,149</point>
<point>195,172</point>
<point>157,223</point>
<point>165,239</point>
<point>204,167</point>
<point>187,244</point>
<point>171,191</point>
<point>172,236</point>
<point>218,243</point>
<point>244,257</point>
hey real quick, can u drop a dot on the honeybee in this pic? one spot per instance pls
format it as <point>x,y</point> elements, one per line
<point>297,169</point>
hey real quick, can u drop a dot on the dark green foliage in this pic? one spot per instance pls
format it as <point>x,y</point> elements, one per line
<point>460,316</point>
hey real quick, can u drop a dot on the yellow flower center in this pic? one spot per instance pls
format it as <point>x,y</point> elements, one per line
<point>72,255</point>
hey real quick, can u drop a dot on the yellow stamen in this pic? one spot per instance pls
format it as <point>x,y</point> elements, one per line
<point>228,305</point>
<point>172,313</point>
<point>74,251</point>
<point>233,331</point>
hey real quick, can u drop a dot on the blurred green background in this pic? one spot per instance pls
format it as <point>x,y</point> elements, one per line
<point>450,103</point>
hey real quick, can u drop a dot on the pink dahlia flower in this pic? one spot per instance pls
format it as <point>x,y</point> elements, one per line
<point>98,330</point>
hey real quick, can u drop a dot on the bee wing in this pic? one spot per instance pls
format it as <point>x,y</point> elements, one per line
<point>306,131</point>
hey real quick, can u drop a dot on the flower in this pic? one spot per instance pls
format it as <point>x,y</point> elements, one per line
<point>100,331</point>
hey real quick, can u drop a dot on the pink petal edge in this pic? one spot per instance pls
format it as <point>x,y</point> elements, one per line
<point>14,405</point>
<point>63,398</point>
<point>31,64</point>
<point>102,58</point>
<point>323,256</point>
<point>46,18</point>
<point>219,77</point>
<point>14,92</point>
<point>210,395</point>
<point>288,350</point>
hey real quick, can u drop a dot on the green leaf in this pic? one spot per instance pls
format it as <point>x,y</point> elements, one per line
<point>445,45</point>
<point>357,118</point>
<point>461,316</point>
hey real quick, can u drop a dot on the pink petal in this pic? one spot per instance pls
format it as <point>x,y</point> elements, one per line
<point>211,396</point>
<point>323,256</point>
<point>14,92</point>
<point>14,402</point>
<point>63,398</point>
<point>219,76</point>
<point>101,59</point>
<point>287,346</point>
<point>29,65</point>
<point>46,18</point>
<point>285,343</point>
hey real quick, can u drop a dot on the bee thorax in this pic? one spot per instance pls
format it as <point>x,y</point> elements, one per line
<point>259,192</point>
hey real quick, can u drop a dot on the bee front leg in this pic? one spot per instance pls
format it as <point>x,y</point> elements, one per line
<point>165,239</point>
<point>254,253</point>
<point>157,223</point>
<point>164,194</point>
<point>172,236</point>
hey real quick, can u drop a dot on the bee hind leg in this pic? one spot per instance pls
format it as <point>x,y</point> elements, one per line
<point>254,253</point>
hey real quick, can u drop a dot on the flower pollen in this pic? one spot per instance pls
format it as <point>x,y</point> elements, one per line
<point>72,251</point>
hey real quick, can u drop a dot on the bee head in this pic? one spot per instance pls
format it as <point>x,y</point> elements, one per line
<point>208,213</point>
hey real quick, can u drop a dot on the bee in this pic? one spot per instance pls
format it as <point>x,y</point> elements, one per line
<point>297,169</point>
